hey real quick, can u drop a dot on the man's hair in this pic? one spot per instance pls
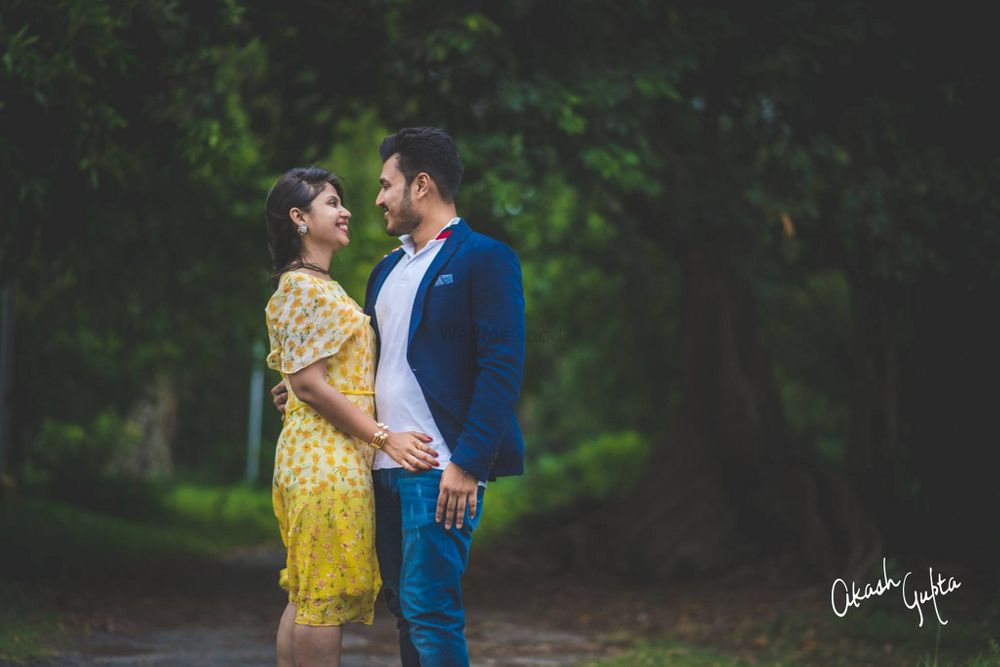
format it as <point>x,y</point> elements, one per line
<point>426,149</point>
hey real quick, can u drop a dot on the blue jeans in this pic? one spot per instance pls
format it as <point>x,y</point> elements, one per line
<point>422,566</point>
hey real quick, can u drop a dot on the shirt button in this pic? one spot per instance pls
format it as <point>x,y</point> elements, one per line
<point>414,370</point>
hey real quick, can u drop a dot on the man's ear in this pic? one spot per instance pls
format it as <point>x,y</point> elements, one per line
<point>424,184</point>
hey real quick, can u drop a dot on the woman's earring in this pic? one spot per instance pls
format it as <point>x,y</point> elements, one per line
<point>302,229</point>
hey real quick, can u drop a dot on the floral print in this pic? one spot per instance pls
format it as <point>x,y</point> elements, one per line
<point>322,488</point>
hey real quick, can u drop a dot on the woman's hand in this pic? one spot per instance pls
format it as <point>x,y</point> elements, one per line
<point>279,396</point>
<point>408,449</point>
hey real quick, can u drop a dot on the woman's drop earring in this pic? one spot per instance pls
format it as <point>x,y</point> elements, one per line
<point>302,229</point>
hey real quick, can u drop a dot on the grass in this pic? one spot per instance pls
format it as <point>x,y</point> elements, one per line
<point>675,654</point>
<point>49,545</point>
<point>226,516</point>
<point>797,639</point>
<point>989,659</point>
<point>880,636</point>
<point>23,632</point>
<point>670,654</point>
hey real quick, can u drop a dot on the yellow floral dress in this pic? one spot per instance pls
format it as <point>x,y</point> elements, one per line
<point>322,487</point>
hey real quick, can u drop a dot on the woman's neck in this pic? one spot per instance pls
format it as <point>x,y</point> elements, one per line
<point>316,261</point>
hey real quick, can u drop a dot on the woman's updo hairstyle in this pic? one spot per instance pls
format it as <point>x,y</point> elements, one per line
<point>295,189</point>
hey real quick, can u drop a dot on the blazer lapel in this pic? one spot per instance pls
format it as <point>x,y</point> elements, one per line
<point>390,263</point>
<point>444,254</point>
<point>372,297</point>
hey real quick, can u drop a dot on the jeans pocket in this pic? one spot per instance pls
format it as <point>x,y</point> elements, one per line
<point>418,496</point>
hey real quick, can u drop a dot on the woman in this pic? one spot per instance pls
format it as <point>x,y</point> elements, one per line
<point>323,346</point>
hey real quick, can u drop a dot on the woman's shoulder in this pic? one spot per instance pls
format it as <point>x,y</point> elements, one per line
<point>300,289</point>
<point>291,291</point>
<point>296,278</point>
<point>296,282</point>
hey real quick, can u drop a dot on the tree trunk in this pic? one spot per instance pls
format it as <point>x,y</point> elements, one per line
<point>153,419</point>
<point>876,462</point>
<point>729,485</point>
<point>950,373</point>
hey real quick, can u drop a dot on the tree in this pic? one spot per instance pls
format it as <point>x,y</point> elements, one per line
<point>706,132</point>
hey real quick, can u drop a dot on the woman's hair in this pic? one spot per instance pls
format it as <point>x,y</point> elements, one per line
<point>295,189</point>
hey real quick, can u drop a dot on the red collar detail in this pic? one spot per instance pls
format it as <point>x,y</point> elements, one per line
<point>445,233</point>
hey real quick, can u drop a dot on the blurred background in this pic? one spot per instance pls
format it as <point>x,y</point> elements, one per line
<point>761,257</point>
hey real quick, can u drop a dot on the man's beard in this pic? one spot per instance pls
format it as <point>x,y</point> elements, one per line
<point>406,219</point>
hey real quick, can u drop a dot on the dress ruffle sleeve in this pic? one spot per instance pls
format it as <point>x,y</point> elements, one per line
<point>308,320</point>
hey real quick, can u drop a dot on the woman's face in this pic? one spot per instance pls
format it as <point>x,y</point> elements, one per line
<point>327,219</point>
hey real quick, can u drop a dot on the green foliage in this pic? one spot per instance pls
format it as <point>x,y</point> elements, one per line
<point>598,469</point>
<point>50,547</point>
<point>807,324</point>
<point>69,462</point>
<point>354,157</point>
<point>63,451</point>
<point>608,146</point>
<point>228,515</point>
<point>193,521</point>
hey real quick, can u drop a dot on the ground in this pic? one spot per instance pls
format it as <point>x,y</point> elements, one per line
<point>225,613</point>
<point>175,584</point>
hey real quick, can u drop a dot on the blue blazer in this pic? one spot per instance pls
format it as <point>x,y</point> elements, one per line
<point>466,348</point>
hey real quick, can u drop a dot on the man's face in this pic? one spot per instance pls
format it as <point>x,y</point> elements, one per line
<point>394,198</point>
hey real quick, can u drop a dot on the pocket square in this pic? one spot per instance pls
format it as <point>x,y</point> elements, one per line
<point>444,279</point>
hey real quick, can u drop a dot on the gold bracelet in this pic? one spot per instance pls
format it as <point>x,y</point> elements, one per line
<point>385,434</point>
<point>380,437</point>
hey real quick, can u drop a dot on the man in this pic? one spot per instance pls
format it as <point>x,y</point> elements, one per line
<point>448,312</point>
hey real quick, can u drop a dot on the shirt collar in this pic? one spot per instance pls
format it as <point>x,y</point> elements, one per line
<point>410,248</point>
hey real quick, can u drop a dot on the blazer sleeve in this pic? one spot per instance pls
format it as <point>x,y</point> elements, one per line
<point>497,301</point>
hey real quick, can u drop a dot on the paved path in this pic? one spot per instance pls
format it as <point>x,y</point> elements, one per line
<point>231,622</point>
<point>499,644</point>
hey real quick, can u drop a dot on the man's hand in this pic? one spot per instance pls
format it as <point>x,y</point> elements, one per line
<point>457,490</point>
<point>279,396</point>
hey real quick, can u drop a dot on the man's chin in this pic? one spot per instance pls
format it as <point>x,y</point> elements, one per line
<point>393,230</point>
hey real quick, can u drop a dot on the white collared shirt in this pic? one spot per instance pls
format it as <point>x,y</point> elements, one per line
<point>399,401</point>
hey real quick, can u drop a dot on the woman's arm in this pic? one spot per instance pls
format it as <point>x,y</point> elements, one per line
<point>406,448</point>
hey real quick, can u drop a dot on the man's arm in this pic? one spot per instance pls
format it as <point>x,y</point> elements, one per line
<point>498,323</point>
<point>498,320</point>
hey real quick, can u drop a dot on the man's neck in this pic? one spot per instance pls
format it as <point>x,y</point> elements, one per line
<point>430,228</point>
